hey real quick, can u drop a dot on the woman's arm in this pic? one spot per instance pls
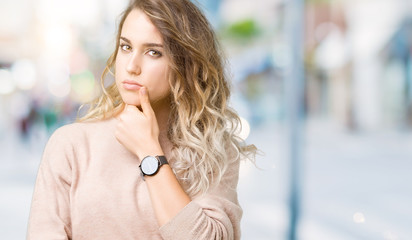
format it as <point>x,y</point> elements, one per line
<point>215,215</point>
<point>168,197</point>
<point>50,209</point>
<point>138,131</point>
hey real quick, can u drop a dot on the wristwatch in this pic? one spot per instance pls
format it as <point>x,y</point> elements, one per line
<point>150,165</point>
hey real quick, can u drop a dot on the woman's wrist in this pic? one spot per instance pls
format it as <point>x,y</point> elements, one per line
<point>155,151</point>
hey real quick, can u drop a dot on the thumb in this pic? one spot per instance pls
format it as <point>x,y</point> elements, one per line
<point>144,101</point>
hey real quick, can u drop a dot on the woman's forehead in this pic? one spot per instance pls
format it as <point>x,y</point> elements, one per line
<point>137,27</point>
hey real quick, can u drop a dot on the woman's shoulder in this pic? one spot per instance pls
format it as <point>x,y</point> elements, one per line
<point>83,130</point>
<point>80,138</point>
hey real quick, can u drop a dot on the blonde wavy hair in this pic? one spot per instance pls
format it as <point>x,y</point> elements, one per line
<point>202,127</point>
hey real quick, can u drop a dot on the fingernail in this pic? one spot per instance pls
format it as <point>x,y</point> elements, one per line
<point>143,90</point>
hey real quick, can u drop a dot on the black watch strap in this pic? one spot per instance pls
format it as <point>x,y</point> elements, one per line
<point>162,160</point>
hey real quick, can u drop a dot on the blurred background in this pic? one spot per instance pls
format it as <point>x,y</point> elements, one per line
<point>324,88</point>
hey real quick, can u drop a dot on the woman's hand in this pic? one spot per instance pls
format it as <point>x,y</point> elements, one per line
<point>138,130</point>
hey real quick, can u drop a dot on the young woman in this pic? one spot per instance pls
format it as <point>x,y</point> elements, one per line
<point>156,156</point>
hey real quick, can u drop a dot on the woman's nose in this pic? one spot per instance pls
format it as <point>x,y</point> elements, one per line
<point>134,64</point>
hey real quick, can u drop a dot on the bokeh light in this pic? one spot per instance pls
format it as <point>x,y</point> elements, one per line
<point>24,72</point>
<point>359,217</point>
<point>7,84</point>
<point>244,130</point>
<point>83,85</point>
<point>58,80</point>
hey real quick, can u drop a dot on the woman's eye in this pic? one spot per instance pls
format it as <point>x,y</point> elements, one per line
<point>154,53</point>
<point>125,47</point>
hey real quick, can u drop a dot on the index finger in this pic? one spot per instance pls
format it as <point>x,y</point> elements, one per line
<point>145,102</point>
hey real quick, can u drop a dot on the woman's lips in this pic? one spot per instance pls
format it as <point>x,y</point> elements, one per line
<point>130,85</point>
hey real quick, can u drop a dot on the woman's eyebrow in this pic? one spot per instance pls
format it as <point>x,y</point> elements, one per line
<point>125,39</point>
<point>152,45</point>
<point>144,44</point>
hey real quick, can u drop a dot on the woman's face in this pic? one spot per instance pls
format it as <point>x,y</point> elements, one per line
<point>141,61</point>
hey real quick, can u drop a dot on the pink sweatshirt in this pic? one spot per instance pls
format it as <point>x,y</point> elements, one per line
<point>89,187</point>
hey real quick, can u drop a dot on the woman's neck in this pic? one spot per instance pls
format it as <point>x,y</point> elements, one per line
<point>162,117</point>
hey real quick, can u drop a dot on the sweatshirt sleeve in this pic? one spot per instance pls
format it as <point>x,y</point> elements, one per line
<point>214,215</point>
<point>50,209</point>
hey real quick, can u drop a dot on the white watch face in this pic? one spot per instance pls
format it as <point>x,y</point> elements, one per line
<point>149,165</point>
